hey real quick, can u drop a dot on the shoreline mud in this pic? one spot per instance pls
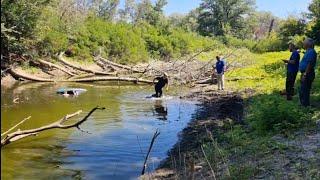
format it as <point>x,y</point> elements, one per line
<point>205,151</point>
<point>185,159</point>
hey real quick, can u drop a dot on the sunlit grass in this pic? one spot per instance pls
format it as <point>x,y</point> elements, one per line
<point>267,115</point>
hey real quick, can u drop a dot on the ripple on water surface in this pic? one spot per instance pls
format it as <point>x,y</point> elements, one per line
<point>118,137</point>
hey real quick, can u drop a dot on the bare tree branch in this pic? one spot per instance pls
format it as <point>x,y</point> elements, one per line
<point>55,125</point>
<point>156,134</point>
<point>12,128</point>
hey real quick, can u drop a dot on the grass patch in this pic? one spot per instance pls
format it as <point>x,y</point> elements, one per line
<point>251,150</point>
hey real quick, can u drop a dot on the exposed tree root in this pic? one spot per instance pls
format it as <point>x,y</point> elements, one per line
<point>17,135</point>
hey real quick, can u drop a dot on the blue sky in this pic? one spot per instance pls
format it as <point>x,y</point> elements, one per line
<point>280,8</point>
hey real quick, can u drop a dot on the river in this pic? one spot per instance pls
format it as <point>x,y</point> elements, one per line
<point>117,140</point>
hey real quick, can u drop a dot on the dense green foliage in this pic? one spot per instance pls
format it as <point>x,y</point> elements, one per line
<point>140,31</point>
<point>274,129</point>
<point>221,17</point>
<point>314,31</point>
<point>121,42</point>
<point>271,114</point>
<point>268,111</point>
<point>17,23</point>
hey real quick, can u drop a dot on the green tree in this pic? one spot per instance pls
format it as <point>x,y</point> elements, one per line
<point>18,20</point>
<point>292,27</point>
<point>221,17</point>
<point>314,9</point>
<point>260,23</point>
<point>160,4</point>
<point>314,15</point>
<point>187,22</point>
<point>153,14</point>
<point>128,13</point>
<point>106,9</point>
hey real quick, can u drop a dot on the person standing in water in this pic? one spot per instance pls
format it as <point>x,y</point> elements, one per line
<point>161,82</point>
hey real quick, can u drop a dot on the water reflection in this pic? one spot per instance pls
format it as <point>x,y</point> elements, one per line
<point>160,111</point>
<point>118,139</point>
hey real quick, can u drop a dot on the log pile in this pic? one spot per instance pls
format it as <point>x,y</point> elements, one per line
<point>77,73</point>
<point>62,60</point>
<point>181,72</point>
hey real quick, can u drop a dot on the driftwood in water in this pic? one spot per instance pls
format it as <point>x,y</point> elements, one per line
<point>51,65</point>
<point>156,134</point>
<point>61,59</point>
<point>119,65</point>
<point>90,79</point>
<point>60,124</point>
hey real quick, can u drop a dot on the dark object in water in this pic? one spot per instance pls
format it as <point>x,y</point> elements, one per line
<point>70,91</point>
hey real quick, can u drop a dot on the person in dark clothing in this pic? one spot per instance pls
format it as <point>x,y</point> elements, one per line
<point>292,70</point>
<point>161,82</point>
<point>307,69</point>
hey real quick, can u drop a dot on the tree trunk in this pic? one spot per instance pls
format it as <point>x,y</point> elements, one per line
<point>119,65</point>
<point>61,59</point>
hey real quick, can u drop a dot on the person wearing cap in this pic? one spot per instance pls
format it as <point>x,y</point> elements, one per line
<point>307,69</point>
<point>292,70</point>
<point>161,82</point>
<point>220,69</point>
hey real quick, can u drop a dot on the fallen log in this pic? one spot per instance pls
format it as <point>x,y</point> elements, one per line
<point>62,60</point>
<point>126,79</point>
<point>51,65</point>
<point>91,79</point>
<point>17,135</point>
<point>81,76</point>
<point>102,65</point>
<point>204,81</point>
<point>119,65</point>
<point>18,75</point>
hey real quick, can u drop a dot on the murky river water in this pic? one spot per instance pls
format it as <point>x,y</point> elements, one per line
<point>118,137</point>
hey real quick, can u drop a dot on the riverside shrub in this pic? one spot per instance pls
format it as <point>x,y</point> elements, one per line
<point>271,113</point>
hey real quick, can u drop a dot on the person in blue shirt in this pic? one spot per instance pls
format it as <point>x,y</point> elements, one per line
<point>220,69</point>
<point>292,70</point>
<point>307,69</point>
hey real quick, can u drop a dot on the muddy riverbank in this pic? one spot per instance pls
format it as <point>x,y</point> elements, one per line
<point>219,143</point>
<point>186,159</point>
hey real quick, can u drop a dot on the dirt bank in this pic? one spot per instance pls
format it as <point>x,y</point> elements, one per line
<point>213,137</point>
<point>185,160</point>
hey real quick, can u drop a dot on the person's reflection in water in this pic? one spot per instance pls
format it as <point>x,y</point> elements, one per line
<point>160,111</point>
